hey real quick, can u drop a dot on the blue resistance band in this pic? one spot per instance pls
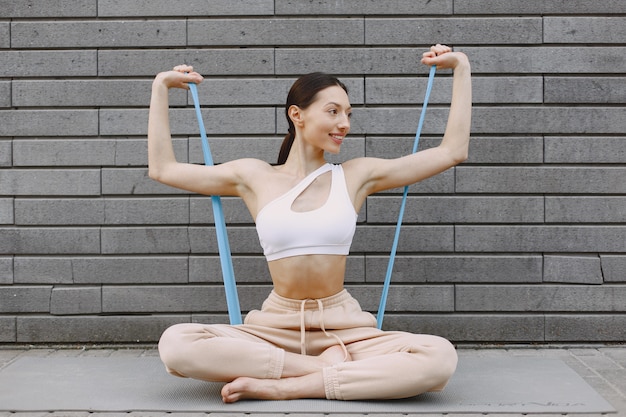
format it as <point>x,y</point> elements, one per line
<point>228,273</point>
<point>394,247</point>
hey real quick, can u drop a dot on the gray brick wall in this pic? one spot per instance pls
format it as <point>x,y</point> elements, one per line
<point>525,242</point>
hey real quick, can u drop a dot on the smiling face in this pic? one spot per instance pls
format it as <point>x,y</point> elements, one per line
<point>326,122</point>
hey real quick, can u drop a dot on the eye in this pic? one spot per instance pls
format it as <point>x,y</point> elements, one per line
<point>349,115</point>
<point>333,111</point>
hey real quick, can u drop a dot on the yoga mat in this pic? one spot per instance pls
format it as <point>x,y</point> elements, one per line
<point>109,384</point>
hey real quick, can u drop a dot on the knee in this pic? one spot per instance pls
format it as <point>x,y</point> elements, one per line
<point>449,355</point>
<point>174,347</point>
<point>445,359</point>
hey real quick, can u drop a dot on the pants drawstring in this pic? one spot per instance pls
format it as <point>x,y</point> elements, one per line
<point>320,306</point>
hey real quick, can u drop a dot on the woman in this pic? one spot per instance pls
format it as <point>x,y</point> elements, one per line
<point>310,339</point>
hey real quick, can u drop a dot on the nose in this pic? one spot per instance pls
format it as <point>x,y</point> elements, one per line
<point>344,123</point>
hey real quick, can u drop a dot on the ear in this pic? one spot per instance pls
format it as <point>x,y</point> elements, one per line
<point>295,114</point>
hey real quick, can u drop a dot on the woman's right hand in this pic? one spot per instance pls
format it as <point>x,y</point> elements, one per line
<point>179,77</point>
<point>443,57</point>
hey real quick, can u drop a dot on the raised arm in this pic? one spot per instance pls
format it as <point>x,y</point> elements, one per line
<point>381,174</point>
<point>162,163</point>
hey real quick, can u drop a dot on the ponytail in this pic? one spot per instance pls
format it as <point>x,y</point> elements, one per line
<point>285,148</point>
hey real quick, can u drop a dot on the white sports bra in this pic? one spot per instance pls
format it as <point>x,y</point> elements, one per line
<point>327,230</point>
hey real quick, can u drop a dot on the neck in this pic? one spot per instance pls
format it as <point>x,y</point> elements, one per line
<point>304,159</point>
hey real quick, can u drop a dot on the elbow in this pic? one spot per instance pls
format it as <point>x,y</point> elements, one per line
<point>155,173</point>
<point>460,156</point>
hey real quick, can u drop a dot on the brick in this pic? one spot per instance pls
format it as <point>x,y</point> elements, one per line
<point>414,298</point>
<point>145,240</point>
<point>370,61</point>
<point>183,121</point>
<point>24,299</point>
<point>411,90</point>
<point>260,91</point>
<point>202,8</point>
<point>537,298</point>
<point>21,182</point>
<point>7,330</point>
<point>98,33</point>
<point>5,94</point>
<point>6,153</point>
<point>599,90</point>
<point>572,269</point>
<point>228,148</point>
<point>49,241</point>
<point>76,300</point>
<point>547,59</point>
<point>540,239</point>
<point>494,120</point>
<point>133,181</point>
<point>188,298</point>
<point>243,91</point>
<point>613,267</point>
<point>6,270</point>
<point>134,152</point>
<point>234,209</point>
<point>456,268</point>
<point>88,93</point>
<point>149,62</point>
<point>59,212</point>
<point>457,209</point>
<point>586,209</point>
<point>48,122</point>
<point>43,270</point>
<point>537,7</point>
<point>276,31</point>
<point>251,296</point>
<point>127,211</point>
<point>394,31</point>
<point>384,121</point>
<point>548,120</point>
<point>595,149</point>
<point>6,211</point>
<point>348,7</point>
<point>503,150</point>
<point>94,329</point>
<point>48,8</point>
<point>73,152</point>
<point>130,270</point>
<point>412,239</point>
<point>5,35</point>
<point>585,30</point>
<point>59,63</point>
<point>585,328</point>
<point>242,240</point>
<point>472,327</point>
<point>545,179</point>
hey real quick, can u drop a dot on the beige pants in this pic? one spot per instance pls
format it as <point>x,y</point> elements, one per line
<point>384,365</point>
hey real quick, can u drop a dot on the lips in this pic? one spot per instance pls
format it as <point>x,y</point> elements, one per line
<point>338,139</point>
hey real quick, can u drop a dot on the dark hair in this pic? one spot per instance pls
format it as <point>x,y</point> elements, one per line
<point>302,94</point>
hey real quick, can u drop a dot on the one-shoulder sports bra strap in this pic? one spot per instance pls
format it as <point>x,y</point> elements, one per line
<point>299,187</point>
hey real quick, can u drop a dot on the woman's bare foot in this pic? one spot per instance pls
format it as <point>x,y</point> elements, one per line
<point>307,386</point>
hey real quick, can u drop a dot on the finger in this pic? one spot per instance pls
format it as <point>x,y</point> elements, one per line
<point>183,68</point>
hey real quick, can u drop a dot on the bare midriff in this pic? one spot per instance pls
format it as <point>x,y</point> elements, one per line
<point>308,276</point>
